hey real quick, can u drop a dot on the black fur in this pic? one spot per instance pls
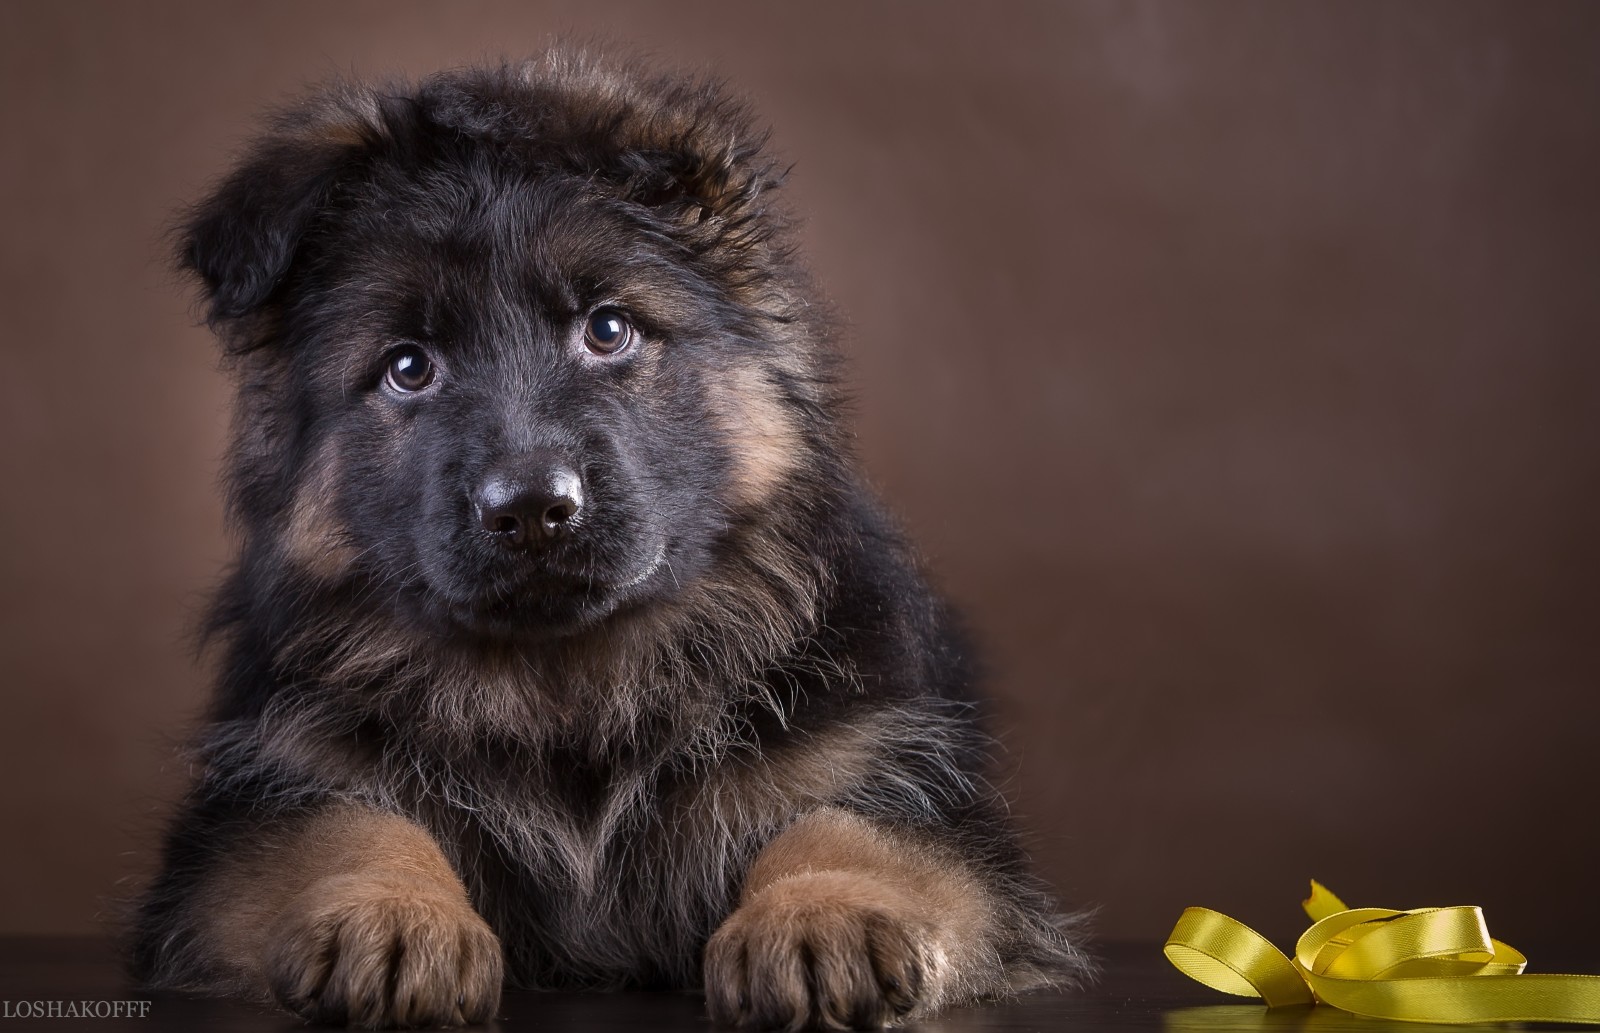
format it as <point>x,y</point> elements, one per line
<point>552,720</point>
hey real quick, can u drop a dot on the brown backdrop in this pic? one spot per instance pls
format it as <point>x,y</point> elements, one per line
<point>1236,365</point>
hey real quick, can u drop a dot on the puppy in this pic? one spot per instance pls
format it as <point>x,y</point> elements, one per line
<point>565,645</point>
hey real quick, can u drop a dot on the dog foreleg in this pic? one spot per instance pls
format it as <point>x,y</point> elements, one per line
<point>846,924</point>
<point>352,916</point>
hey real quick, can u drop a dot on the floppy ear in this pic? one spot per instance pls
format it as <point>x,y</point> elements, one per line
<point>690,149</point>
<point>695,182</point>
<point>242,240</point>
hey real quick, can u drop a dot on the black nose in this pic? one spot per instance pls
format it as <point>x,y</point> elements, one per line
<point>530,502</point>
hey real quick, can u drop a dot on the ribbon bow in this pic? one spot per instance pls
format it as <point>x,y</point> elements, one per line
<point>1435,964</point>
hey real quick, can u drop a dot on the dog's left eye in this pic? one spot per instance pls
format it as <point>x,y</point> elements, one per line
<point>608,332</point>
<point>410,369</point>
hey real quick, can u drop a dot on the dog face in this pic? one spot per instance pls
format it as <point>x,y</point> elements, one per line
<point>516,372</point>
<point>512,395</point>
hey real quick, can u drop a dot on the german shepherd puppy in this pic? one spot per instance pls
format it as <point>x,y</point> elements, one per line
<point>566,646</point>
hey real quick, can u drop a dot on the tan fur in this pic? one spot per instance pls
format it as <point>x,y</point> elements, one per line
<point>765,441</point>
<point>762,788</point>
<point>315,540</point>
<point>842,924</point>
<point>348,118</point>
<point>353,916</point>
<point>758,790</point>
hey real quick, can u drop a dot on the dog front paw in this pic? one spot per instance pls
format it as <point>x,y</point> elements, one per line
<point>826,950</point>
<point>354,950</point>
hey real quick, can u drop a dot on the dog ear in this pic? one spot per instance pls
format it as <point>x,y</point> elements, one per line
<point>242,240</point>
<point>711,168</point>
<point>693,182</point>
<point>692,150</point>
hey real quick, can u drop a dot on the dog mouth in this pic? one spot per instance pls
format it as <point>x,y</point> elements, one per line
<point>554,604</point>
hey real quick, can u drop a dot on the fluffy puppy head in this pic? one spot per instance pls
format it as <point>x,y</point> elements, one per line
<point>520,351</point>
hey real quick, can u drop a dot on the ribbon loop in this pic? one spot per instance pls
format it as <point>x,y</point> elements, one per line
<point>1453,933</point>
<point>1425,965</point>
<point>1231,957</point>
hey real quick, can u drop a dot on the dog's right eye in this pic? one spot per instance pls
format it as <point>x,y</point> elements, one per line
<point>410,370</point>
<point>607,332</point>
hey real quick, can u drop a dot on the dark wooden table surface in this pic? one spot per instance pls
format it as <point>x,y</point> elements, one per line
<point>1137,991</point>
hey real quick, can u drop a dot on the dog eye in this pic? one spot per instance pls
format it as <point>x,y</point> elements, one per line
<point>410,369</point>
<point>608,332</point>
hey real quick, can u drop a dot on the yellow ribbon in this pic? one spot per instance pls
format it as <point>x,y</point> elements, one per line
<point>1435,964</point>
